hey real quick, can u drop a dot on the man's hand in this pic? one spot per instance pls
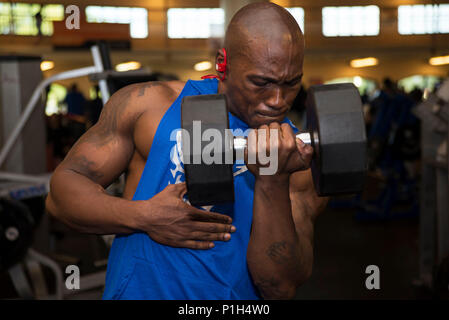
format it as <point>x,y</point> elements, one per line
<point>290,153</point>
<point>169,220</point>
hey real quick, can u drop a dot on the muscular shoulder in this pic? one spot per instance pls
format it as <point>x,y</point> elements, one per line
<point>157,90</point>
<point>129,103</point>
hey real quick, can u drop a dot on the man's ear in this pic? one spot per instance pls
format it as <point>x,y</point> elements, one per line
<point>220,63</point>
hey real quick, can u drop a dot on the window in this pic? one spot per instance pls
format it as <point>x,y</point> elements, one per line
<point>365,86</point>
<point>20,18</point>
<point>422,19</point>
<point>419,82</point>
<point>51,12</point>
<point>55,99</point>
<point>137,18</point>
<point>298,14</point>
<point>6,26</point>
<point>350,21</point>
<point>195,23</point>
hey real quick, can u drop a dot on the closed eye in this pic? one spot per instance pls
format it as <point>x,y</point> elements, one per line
<point>260,83</point>
<point>293,82</point>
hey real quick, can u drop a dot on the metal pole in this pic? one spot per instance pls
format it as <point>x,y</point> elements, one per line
<point>18,177</point>
<point>12,138</point>
<point>59,279</point>
<point>99,65</point>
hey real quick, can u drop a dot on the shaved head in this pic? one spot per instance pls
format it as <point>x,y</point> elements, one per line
<point>264,50</point>
<point>261,24</point>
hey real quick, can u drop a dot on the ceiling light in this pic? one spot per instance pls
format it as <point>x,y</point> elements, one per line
<point>438,61</point>
<point>357,81</point>
<point>202,66</point>
<point>127,66</point>
<point>47,65</point>
<point>365,62</point>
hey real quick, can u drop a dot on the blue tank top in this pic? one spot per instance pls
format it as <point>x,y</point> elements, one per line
<point>140,268</point>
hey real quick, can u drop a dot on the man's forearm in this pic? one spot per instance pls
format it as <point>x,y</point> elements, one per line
<point>86,207</point>
<point>278,259</point>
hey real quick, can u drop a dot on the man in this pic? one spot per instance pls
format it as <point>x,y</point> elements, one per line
<point>75,101</point>
<point>38,20</point>
<point>165,248</point>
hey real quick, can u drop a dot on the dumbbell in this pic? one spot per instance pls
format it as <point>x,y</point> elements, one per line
<point>16,231</point>
<point>335,129</point>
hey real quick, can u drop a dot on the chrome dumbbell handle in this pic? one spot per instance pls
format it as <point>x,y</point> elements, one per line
<point>239,143</point>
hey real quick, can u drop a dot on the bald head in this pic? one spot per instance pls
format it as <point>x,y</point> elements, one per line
<point>262,25</point>
<point>265,50</point>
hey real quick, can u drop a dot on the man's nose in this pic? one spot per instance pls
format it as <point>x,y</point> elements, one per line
<point>275,99</point>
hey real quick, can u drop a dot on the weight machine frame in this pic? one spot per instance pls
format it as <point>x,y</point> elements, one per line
<point>33,259</point>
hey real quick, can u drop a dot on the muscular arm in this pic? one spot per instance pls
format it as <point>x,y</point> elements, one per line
<point>280,250</point>
<point>306,206</point>
<point>77,195</point>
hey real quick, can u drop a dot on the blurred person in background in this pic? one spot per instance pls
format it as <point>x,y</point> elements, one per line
<point>76,119</point>
<point>93,108</point>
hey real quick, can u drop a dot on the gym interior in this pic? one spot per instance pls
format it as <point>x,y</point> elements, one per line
<point>61,60</point>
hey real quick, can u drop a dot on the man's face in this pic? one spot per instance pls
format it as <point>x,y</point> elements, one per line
<point>262,83</point>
